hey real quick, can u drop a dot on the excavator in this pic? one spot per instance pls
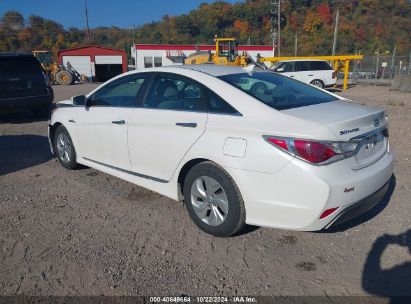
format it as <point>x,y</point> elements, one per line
<point>57,73</point>
<point>226,53</point>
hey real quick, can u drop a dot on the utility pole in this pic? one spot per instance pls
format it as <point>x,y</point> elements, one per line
<point>134,49</point>
<point>88,28</point>
<point>337,16</point>
<point>295,44</point>
<point>279,27</point>
<point>377,67</point>
<point>409,65</point>
<point>276,25</point>
<point>274,6</point>
<point>392,62</point>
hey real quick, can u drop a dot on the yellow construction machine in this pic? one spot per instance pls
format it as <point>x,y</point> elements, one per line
<point>57,73</point>
<point>226,53</point>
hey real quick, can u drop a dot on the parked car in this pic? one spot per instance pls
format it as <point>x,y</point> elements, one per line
<point>316,72</point>
<point>292,156</point>
<point>23,84</point>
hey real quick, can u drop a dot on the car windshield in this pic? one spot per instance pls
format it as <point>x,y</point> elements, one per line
<point>277,91</point>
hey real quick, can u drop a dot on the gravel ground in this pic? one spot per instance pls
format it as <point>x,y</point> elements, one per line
<point>86,233</point>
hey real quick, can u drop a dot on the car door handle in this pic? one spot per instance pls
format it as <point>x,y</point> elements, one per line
<point>310,75</point>
<point>186,124</point>
<point>118,122</point>
<point>292,76</point>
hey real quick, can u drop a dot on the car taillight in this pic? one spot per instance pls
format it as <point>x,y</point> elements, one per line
<point>46,79</point>
<point>53,108</point>
<point>334,74</point>
<point>314,152</point>
<point>278,142</point>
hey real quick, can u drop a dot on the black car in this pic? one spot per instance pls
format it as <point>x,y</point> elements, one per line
<point>23,84</point>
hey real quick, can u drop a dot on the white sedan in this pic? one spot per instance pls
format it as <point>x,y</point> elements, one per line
<point>285,155</point>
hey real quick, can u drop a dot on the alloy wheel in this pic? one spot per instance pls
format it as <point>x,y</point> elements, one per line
<point>63,147</point>
<point>209,200</point>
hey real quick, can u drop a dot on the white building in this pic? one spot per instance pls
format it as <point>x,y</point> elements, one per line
<point>150,55</point>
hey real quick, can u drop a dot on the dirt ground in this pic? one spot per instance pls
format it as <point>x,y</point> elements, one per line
<point>87,233</point>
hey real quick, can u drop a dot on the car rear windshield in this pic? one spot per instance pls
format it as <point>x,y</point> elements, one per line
<point>277,91</point>
<point>21,76</point>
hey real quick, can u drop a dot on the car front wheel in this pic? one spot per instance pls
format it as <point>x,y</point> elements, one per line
<point>64,148</point>
<point>213,200</point>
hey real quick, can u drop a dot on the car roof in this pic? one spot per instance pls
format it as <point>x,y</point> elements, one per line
<point>212,69</point>
<point>11,54</point>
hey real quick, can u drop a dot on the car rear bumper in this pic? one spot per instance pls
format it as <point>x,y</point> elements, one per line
<point>359,208</point>
<point>31,102</point>
<point>296,196</point>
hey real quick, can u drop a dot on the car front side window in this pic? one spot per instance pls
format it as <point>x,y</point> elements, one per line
<point>122,92</point>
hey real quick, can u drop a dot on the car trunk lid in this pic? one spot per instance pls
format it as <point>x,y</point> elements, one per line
<point>348,120</point>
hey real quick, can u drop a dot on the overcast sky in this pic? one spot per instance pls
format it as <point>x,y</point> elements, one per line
<point>121,13</point>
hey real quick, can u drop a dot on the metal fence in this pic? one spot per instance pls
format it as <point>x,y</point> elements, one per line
<point>378,69</point>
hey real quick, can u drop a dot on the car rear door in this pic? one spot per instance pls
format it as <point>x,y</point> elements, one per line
<point>171,119</point>
<point>102,127</point>
<point>302,71</point>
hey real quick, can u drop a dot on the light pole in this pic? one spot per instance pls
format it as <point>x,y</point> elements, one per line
<point>134,49</point>
<point>337,16</point>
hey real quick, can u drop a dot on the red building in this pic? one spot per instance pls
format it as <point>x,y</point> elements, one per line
<point>96,62</point>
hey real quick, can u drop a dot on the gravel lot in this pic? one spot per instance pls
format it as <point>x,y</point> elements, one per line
<point>87,233</point>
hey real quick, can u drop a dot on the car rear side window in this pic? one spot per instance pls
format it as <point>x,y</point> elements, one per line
<point>320,66</point>
<point>301,66</point>
<point>174,93</point>
<point>217,105</point>
<point>122,92</point>
<point>277,91</point>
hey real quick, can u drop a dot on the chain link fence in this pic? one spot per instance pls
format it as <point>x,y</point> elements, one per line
<point>378,69</point>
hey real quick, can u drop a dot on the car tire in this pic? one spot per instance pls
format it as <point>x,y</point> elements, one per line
<point>64,149</point>
<point>213,200</point>
<point>258,89</point>
<point>318,83</point>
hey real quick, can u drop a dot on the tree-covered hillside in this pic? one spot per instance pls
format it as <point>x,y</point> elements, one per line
<point>365,25</point>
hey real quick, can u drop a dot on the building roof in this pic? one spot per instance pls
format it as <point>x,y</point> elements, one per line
<point>12,54</point>
<point>202,47</point>
<point>93,47</point>
<point>212,69</point>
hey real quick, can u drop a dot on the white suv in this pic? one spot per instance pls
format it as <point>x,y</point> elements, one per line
<point>316,72</point>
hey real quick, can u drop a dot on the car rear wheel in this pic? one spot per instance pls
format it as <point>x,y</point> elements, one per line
<point>213,200</point>
<point>64,149</point>
<point>317,83</point>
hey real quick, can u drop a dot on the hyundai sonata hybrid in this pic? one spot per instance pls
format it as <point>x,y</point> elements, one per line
<point>238,145</point>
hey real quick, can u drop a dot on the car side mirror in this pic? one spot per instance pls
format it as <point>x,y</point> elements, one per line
<point>79,100</point>
<point>280,70</point>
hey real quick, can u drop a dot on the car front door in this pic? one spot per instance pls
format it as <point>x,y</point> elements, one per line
<point>170,120</point>
<point>287,69</point>
<point>102,126</point>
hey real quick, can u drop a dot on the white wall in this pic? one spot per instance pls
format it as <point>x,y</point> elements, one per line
<point>163,54</point>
